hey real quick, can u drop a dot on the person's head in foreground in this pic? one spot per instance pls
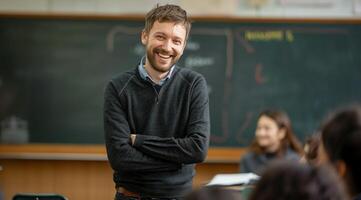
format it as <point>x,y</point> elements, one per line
<point>284,180</point>
<point>341,146</point>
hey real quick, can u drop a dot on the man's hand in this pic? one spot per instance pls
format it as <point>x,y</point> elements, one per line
<point>132,138</point>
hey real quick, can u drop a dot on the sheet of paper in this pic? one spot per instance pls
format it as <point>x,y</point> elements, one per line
<point>233,179</point>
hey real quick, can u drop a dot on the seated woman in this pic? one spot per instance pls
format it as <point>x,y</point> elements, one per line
<point>341,147</point>
<point>274,139</point>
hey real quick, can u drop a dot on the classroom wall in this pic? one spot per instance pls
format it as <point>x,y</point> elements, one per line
<point>242,8</point>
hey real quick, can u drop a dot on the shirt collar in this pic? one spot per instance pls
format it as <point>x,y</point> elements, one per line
<point>144,74</point>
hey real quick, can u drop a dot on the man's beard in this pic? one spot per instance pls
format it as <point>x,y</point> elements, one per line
<point>151,54</point>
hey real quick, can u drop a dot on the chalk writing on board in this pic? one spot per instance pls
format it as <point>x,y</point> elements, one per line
<point>197,61</point>
<point>269,35</point>
<point>249,38</point>
<point>119,30</point>
<point>258,76</point>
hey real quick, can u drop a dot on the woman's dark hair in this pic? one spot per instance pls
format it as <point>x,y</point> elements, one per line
<point>283,121</point>
<point>311,148</point>
<point>214,193</point>
<point>291,180</point>
<point>341,139</point>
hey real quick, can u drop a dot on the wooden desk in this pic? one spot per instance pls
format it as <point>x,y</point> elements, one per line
<point>82,171</point>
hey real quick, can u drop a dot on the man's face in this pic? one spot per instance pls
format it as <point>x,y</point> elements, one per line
<point>164,45</point>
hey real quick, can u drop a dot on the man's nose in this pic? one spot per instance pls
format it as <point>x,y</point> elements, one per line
<point>167,45</point>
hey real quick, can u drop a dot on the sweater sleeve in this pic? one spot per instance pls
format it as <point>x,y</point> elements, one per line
<point>194,146</point>
<point>243,166</point>
<point>122,156</point>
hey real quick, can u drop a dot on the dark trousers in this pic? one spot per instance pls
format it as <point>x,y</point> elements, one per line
<point>120,196</point>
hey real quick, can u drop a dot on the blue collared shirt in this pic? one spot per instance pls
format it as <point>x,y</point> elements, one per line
<point>144,74</point>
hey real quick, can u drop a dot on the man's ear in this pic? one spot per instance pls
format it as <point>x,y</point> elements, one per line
<point>341,168</point>
<point>144,37</point>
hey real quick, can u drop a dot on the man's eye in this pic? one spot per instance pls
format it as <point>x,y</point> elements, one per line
<point>160,37</point>
<point>177,42</point>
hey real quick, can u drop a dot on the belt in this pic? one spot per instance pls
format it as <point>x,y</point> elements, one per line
<point>128,193</point>
<point>135,195</point>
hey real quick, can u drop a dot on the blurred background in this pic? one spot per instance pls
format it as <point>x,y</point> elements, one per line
<point>243,8</point>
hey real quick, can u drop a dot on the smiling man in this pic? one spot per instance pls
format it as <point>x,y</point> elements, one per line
<point>156,116</point>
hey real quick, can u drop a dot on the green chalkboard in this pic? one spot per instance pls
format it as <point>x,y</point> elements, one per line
<point>53,71</point>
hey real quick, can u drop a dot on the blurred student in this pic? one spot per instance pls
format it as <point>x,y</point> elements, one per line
<point>311,150</point>
<point>274,139</point>
<point>286,180</point>
<point>214,193</point>
<point>341,147</point>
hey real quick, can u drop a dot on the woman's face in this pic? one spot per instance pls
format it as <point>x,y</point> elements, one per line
<point>268,134</point>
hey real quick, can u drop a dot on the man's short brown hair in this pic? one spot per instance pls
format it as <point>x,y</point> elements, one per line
<point>167,13</point>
